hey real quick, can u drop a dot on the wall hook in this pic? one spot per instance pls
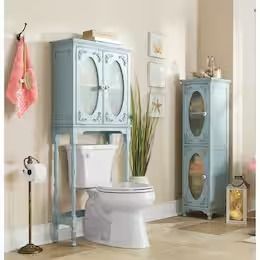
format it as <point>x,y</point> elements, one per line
<point>18,36</point>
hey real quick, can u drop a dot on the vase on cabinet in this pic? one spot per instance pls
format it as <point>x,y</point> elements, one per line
<point>139,179</point>
<point>205,145</point>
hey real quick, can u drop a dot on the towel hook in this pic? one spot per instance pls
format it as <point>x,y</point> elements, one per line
<point>18,36</point>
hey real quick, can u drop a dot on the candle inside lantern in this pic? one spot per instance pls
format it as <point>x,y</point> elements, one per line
<point>236,205</point>
<point>236,198</point>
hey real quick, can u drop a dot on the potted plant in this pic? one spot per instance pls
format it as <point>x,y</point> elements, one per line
<point>142,136</point>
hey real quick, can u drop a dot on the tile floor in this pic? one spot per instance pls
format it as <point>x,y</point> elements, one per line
<point>180,238</point>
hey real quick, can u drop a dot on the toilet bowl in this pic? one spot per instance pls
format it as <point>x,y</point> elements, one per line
<point>113,213</point>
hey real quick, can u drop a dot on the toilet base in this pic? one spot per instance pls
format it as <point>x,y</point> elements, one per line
<point>121,229</point>
<point>107,243</point>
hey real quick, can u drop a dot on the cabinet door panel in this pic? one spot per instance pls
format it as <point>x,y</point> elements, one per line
<point>196,113</point>
<point>195,176</point>
<point>115,88</point>
<point>89,79</point>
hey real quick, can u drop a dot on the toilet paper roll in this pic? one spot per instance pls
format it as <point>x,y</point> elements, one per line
<point>36,172</point>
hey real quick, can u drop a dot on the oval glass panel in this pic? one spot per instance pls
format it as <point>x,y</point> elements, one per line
<point>196,175</point>
<point>115,81</point>
<point>88,85</point>
<point>196,113</point>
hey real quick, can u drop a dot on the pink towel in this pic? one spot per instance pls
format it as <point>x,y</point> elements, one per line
<point>22,86</point>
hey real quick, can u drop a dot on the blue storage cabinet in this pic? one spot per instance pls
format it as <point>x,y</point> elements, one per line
<point>205,145</point>
<point>91,94</point>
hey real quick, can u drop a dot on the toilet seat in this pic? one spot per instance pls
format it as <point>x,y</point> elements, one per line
<point>126,187</point>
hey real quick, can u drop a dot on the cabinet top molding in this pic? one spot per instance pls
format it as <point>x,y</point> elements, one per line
<point>91,44</point>
<point>203,80</point>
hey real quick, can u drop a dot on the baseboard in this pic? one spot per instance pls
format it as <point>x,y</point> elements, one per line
<point>163,210</point>
<point>17,238</point>
<point>41,234</point>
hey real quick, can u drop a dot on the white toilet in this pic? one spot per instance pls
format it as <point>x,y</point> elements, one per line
<point>113,213</point>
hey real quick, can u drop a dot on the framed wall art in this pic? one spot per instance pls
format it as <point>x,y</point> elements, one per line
<point>157,105</point>
<point>156,75</point>
<point>156,45</point>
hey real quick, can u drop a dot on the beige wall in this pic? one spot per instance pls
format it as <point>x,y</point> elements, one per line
<point>131,20</point>
<point>215,37</point>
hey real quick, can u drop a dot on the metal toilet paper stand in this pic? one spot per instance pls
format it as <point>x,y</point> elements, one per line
<point>29,248</point>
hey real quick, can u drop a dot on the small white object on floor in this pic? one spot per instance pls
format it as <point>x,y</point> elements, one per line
<point>250,239</point>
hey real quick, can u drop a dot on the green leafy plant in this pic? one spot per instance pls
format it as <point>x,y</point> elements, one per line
<point>142,134</point>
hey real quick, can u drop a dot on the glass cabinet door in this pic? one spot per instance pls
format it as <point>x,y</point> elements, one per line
<point>196,113</point>
<point>115,81</point>
<point>196,175</point>
<point>88,86</point>
<point>115,88</point>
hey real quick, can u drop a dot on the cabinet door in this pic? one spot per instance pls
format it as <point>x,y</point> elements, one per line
<point>196,113</point>
<point>195,176</point>
<point>88,80</point>
<point>115,88</point>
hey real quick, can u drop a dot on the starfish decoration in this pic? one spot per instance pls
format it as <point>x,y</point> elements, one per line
<point>157,49</point>
<point>156,106</point>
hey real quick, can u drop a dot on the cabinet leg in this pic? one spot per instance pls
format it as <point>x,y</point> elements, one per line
<point>108,138</point>
<point>127,137</point>
<point>209,216</point>
<point>184,214</point>
<point>55,233</point>
<point>55,191</point>
<point>74,234</point>
<point>73,142</point>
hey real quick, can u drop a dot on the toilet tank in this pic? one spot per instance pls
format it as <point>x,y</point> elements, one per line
<point>94,165</point>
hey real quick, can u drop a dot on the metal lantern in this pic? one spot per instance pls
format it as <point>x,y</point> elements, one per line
<point>236,201</point>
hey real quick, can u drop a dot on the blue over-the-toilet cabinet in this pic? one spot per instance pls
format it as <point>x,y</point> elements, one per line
<point>205,145</point>
<point>90,93</point>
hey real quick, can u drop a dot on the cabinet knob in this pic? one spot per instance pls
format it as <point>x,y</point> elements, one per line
<point>198,114</point>
<point>204,176</point>
<point>104,87</point>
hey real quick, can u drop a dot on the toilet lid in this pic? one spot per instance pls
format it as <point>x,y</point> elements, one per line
<point>126,187</point>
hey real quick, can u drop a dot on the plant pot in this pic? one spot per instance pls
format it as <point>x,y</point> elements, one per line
<point>139,179</point>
